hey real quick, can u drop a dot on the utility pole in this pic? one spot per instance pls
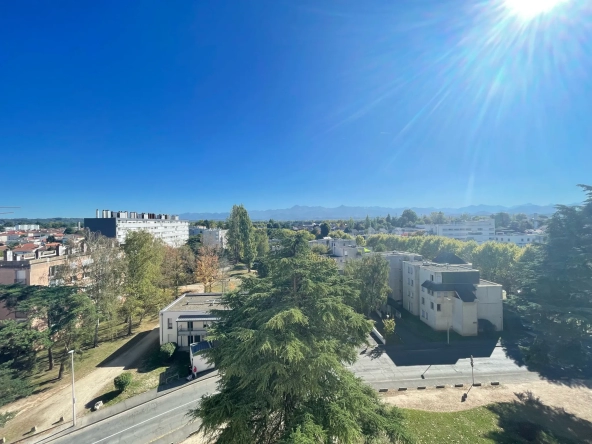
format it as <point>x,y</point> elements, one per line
<point>73,392</point>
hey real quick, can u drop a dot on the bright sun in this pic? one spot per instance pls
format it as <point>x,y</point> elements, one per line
<point>531,8</point>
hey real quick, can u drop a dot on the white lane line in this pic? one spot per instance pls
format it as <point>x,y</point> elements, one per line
<point>149,419</point>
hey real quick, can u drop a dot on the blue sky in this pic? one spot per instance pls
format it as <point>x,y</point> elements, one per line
<point>183,106</point>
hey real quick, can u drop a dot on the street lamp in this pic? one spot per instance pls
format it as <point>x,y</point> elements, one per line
<point>71,352</point>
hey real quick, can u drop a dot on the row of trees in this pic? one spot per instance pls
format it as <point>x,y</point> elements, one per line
<point>498,262</point>
<point>101,284</point>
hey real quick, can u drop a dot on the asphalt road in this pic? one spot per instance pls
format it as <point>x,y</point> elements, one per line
<point>146,423</point>
<point>377,368</point>
<point>164,420</point>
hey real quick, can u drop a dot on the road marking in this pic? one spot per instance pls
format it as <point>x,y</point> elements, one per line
<point>146,420</point>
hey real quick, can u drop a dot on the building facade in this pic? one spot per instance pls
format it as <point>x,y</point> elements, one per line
<point>520,239</point>
<point>214,237</point>
<point>452,297</point>
<point>396,275</point>
<point>187,319</point>
<point>117,225</point>
<point>478,230</point>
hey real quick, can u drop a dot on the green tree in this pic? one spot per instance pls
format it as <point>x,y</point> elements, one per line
<point>12,385</point>
<point>556,282</point>
<point>325,229</point>
<point>338,234</point>
<point>438,217</point>
<point>360,241</point>
<point>19,344</point>
<point>408,218</point>
<point>367,223</point>
<point>261,242</point>
<point>502,220</point>
<point>177,268</point>
<point>371,274</point>
<point>280,354</point>
<point>194,242</point>
<point>143,255</point>
<point>97,270</point>
<point>389,327</point>
<point>62,314</point>
<point>240,236</point>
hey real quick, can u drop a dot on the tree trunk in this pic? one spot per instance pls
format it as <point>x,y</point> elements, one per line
<point>96,341</point>
<point>50,358</point>
<point>129,325</point>
<point>61,371</point>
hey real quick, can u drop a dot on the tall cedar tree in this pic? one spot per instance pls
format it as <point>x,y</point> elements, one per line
<point>143,255</point>
<point>370,274</point>
<point>61,313</point>
<point>556,280</point>
<point>280,353</point>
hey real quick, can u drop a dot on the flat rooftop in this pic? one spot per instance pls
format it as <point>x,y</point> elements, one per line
<point>198,303</point>
<point>447,267</point>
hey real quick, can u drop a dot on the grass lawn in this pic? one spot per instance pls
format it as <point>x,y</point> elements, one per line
<point>507,423</point>
<point>86,359</point>
<point>151,373</point>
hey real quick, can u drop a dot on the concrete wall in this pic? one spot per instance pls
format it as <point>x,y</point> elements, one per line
<point>465,318</point>
<point>411,292</point>
<point>490,304</point>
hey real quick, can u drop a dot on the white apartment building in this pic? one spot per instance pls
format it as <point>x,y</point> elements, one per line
<point>395,260</point>
<point>478,230</point>
<point>214,237</point>
<point>342,250</point>
<point>451,296</point>
<point>170,229</point>
<point>186,320</point>
<point>520,239</point>
<point>26,227</point>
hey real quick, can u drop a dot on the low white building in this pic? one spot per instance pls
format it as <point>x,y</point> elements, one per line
<point>342,250</point>
<point>214,237</point>
<point>520,239</point>
<point>478,230</point>
<point>452,296</point>
<point>187,319</point>
<point>25,227</point>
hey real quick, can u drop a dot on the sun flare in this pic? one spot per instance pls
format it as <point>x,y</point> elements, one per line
<point>531,8</point>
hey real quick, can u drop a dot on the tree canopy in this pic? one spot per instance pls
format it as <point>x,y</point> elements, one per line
<point>280,353</point>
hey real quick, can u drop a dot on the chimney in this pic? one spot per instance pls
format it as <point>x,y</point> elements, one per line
<point>98,214</point>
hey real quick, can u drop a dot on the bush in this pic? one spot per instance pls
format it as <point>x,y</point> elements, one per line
<point>123,381</point>
<point>167,350</point>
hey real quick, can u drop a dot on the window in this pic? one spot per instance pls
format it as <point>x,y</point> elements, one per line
<point>169,323</point>
<point>427,315</point>
<point>411,281</point>
<point>432,277</point>
<point>423,289</point>
<point>422,301</point>
<point>408,281</point>
<point>432,305</point>
<point>439,307</point>
<point>190,325</point>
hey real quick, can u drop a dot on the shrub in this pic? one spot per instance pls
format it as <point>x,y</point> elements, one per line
<point>167,350</point>
<point>123,381</point>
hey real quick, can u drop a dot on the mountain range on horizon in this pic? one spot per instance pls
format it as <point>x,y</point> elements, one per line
<point>302,212</point>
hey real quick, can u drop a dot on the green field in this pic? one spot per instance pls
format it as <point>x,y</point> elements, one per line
<point>529,421</point>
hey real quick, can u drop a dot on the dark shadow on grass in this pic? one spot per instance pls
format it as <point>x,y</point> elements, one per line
<point>529,420</point>
<point>128,346</point>
<point>105,397</point>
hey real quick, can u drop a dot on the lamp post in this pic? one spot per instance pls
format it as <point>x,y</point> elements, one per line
<point>71,352</point>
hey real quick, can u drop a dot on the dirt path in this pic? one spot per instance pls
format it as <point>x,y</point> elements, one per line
<point>575,400</point>
<point>45,409</point>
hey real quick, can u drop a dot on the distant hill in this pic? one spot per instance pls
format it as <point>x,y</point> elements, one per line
<point>299,212</point>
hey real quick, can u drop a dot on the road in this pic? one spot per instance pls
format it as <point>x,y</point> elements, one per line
<point>162,417</point>
<point>146,423</point>
<point>379,370</point>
